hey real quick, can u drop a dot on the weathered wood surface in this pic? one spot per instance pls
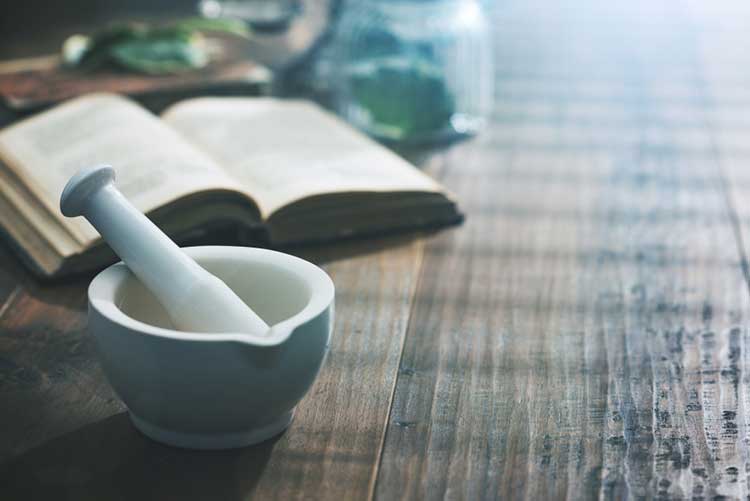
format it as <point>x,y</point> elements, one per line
<point>585,341</point>
<point>65,433</point>
<point>583,335</point>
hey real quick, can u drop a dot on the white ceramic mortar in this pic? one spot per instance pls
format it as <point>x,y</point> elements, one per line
<point>215,391</point>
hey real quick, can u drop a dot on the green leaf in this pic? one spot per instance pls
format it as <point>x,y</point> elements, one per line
<point>405,98</point>
<point>161,49</point>
<point>159,56</point>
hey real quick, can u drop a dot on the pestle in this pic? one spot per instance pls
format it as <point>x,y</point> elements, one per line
<point>194,299</point>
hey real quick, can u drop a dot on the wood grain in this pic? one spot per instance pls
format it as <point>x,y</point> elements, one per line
<point>50,381</point>
<point>334,445</point>
<point>584,334</point>
<point>63,432</point>
<point>595,349</point>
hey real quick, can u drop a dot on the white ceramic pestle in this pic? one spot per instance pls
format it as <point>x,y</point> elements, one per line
<point>194,299</point>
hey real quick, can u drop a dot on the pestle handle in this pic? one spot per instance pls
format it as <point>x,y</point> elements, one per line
<point>148,252</point>
<point>195,299</point>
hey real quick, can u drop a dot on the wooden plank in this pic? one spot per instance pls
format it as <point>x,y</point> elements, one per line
<point>574,339</point>
<point>332,446</point>
<point>50,382</point>
<point>11,277</point>
<point>584,334</point>
<point>725,91</point>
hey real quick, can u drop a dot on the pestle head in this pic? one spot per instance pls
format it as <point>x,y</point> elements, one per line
<point>82,185</point>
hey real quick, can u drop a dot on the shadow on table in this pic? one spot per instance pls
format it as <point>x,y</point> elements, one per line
<point>110,459</point>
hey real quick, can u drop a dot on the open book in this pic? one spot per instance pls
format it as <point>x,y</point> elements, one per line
<point>285,171</point>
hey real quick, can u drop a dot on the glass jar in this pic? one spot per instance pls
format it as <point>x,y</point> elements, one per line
<point>413,71</point>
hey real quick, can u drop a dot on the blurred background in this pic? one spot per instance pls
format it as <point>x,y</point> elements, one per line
<point>431,71</point>
<point>38,27</point>
<point>402,71</point>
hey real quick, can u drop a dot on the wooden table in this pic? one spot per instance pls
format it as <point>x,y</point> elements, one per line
<point>584,334</point>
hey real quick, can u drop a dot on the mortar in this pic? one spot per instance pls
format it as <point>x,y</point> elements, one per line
<point>222,390</point>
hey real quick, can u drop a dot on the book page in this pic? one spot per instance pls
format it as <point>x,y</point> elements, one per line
<point>283,151</point>
<point>154,164</point>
